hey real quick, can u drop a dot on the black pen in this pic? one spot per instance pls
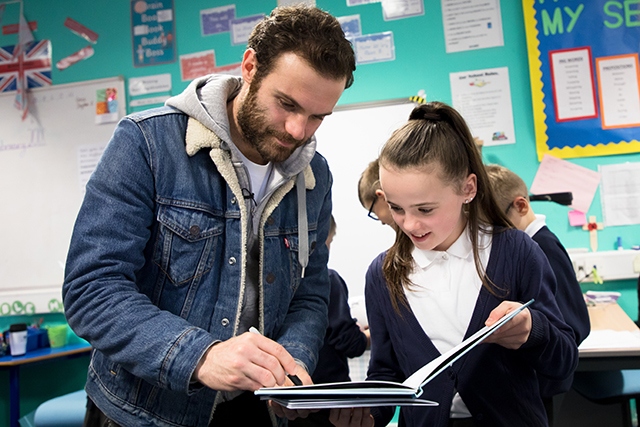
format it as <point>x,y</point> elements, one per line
<point>294,378</point>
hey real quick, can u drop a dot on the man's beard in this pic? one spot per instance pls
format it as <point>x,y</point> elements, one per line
<point>252,119</point>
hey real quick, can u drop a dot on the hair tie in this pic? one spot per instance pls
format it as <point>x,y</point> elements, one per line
<point>425,112</point>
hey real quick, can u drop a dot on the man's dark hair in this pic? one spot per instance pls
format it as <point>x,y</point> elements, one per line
<point>310,33</point>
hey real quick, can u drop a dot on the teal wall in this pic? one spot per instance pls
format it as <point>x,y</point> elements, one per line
<point>421,63</point>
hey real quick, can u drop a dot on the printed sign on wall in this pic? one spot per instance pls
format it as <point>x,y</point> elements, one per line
<point>152,32</point>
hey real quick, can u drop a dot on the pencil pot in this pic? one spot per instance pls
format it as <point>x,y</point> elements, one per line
<point>57,335</point>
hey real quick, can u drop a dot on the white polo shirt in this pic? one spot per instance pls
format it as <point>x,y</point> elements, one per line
<point>445,294</point>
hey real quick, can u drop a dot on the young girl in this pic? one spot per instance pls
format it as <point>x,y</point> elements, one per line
<point>457,264</point>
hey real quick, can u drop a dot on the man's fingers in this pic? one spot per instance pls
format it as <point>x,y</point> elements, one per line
<point>274,357</point>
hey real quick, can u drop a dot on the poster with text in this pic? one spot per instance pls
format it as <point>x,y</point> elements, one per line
<point>153,32</point>
<point>483,98</point>
<point>585,78</point>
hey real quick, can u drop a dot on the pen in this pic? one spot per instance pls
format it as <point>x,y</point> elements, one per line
<point>294,378</point>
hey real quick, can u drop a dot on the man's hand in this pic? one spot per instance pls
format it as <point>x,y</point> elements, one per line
<point>292,414</point>
<point>515,332</point>
<point>246,362</point>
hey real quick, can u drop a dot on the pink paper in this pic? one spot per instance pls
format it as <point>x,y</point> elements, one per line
<point>82,54</point>
<point>556,175</point>
<point>577,218</point>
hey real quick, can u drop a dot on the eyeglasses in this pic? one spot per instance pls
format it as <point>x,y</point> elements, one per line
<point>508,208</point>
<point>371,213</point>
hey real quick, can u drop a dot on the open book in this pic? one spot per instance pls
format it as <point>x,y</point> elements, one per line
<point>378,393</point>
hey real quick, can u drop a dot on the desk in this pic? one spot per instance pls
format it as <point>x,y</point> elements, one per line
<point>611,356</point>
<point>613,345</point>
<point>13,364</point>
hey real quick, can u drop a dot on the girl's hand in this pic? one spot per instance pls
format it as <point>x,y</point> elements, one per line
<point>351,417</point>
<point>515,332</point>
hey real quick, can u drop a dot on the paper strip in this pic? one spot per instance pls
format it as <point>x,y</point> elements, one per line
<point>84,53</point>
<point>81,30</point>
<point>14,28</point>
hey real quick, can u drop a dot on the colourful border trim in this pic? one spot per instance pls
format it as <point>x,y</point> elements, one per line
<point>537,96</point>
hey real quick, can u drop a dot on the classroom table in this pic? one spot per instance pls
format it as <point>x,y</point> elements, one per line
<point>611,355</point>
<point>13,364</point>
<point>616,347</point>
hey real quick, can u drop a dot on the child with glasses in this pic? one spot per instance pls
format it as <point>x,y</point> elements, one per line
<point>371,196</point>
<point>457,265</point>
<point>512,195</point>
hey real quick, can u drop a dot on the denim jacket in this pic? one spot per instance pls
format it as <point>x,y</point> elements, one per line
<point>155,275</point>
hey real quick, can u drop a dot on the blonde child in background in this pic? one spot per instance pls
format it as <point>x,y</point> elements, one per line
<point>457,265</point>
<point>513,196</point>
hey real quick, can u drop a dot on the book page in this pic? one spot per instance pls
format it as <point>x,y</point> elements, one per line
<point>379,393</point>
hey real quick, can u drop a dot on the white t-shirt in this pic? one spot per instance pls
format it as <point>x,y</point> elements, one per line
<point>445,294</point>
<point>259,176</point>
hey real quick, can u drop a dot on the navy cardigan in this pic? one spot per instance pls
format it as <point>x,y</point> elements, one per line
<point>498,385</point>
<point>568,296</point>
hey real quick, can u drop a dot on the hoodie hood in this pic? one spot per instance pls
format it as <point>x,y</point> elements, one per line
<point>205,100</point>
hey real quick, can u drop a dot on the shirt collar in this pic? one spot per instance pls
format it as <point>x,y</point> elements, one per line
<point>461,248</point>
<point>536,225</point>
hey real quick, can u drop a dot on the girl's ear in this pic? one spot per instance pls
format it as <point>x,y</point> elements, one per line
<point>470,187</point>
<point>380,193</point>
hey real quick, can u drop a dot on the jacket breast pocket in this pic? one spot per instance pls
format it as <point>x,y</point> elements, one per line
<point>292,242</point>
<point>186,243</point>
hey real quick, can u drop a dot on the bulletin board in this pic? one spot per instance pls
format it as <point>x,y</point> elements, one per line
<point>585,77</point>
<point>44,164</point>
<point>350,139</point>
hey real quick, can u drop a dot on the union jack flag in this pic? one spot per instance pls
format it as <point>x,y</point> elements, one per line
<point>36,65</point>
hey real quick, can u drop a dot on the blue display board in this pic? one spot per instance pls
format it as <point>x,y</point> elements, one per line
<point>599,34</point>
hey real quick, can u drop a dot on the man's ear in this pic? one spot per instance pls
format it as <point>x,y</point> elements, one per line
<point>521,205</point>
<point>249,65</point>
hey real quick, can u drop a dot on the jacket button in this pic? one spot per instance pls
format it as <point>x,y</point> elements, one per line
<point>224,322</point>
<point>234,200</point>
<point>270,221</point>
<point>194,230</point>
<point>271,278</point>
<point>232,260</point>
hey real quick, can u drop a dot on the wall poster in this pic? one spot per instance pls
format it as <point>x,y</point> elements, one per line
<point>153,32</point>
<point>585,77</point>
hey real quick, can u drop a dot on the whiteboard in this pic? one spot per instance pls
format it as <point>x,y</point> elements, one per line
<point>45,161</point>
<point>350,139</point>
